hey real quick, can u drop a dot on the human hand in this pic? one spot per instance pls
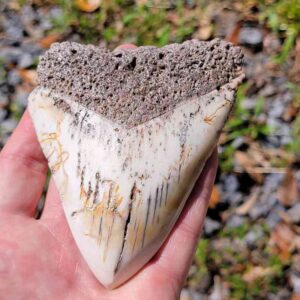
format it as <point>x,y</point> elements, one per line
<point>39,258</point>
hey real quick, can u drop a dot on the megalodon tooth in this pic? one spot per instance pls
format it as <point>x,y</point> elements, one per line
<point>126,134</point>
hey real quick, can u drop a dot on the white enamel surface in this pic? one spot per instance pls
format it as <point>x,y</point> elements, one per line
<point>114,181</point>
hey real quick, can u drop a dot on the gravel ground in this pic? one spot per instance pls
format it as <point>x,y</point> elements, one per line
<point>250,248</point>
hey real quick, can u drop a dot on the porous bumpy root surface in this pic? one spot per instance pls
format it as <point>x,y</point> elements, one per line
<point>130,87</point>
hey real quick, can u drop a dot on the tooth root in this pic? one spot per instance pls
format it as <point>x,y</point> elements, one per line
<point>123,189</point>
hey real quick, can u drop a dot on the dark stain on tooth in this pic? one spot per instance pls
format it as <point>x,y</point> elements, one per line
<point>100,230</point>
<point>109,235</point>
<point>161,194</point>
<point>127,222</point>
<point>167,190</point>
<point>90,191</point>
<point>82,120</point>
<point>82,177</point>
<point>96,193</point>
<point>78,163</point>
<point>155,204</point>
<point>146,220</point>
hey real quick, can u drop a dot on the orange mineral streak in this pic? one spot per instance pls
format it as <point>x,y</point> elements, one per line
<point>209,119</point>
<point>99,217</point>
<point>61,156</point>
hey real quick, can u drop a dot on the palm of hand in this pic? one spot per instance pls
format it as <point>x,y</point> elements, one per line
<point>39,258</point>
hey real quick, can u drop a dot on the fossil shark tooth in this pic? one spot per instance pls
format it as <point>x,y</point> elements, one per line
<point>126,134</point>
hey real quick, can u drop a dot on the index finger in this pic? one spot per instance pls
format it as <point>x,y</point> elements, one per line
<point>23,169</point>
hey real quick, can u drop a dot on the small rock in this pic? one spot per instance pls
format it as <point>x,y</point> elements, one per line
<point>32,49</point>
<point>295,281</point>
<point>25,61</point>
<point>21,97</point>
<point>271,44</point>
<point>28,14</point>
<point>8,125</point>
<point>230,182</point>
<point>3,114</point>
<point>185,295</point>
<point>190,295</point>
<point>248,103</point>
<point>253,235</point>
<point>273,141</point>
<point>13,78</point>
<point>268,90</point>
<point>251,37</point>
<point>271,182</point>
<point>13,26</point>
<point>10,55</point>
<point>3,99</point>
<point>296,263</point>
<point>282,294</point>
<point>211,226</point>
<point>283,130</point>
<point>276,110</point>
<point>294,213</point>
<point>263,206</point>
<point>273,217</point>
<point>235,221</point>
<point>285,140</point>
<point>233,199</point>
<point>238,142</point>
<point>220,290</point>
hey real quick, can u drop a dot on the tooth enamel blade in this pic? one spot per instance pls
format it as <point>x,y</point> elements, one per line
<point>125,151</point>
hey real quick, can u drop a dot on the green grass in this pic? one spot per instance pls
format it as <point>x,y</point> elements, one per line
<point>294,145</point>
<point>121,20</point>
<point>283,18</point>
<point>223,262</point>
<point>244,122</point>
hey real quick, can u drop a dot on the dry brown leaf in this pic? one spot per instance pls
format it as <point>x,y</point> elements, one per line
<point>234,35</point>
<point>248,164</point>
<point>258,155</point>
<point>49,39</point>
<point>282,238</point>
<point>294,74</point>
<point>88,5</point>
<point>214,197</point>
<point>290,112</point>
<point>257,272</point>
<point>248,204</point>
<point>29,76</point>
<point>287,192</point>
<point>296,297</point>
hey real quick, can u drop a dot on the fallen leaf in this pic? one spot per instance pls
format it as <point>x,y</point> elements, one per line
<point>287,192</point>
<point>234,35</point>
<point>294,74</point>
<point>282,239</point>
<point>88,5</point>
<point>214,197</point>
<point>49,39</point>
<point>248,164</point>
<point>29,76</point>
<point>290,112</point>
<point>257,272</point>
<point>249,203</point>
<point>296,297</point>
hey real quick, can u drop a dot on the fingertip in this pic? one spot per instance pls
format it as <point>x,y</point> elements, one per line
<point>126,46</point>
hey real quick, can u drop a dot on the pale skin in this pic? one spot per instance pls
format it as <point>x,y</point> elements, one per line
<point>39,258</point>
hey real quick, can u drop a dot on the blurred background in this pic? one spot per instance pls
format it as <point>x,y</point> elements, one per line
<point>250,248</point>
